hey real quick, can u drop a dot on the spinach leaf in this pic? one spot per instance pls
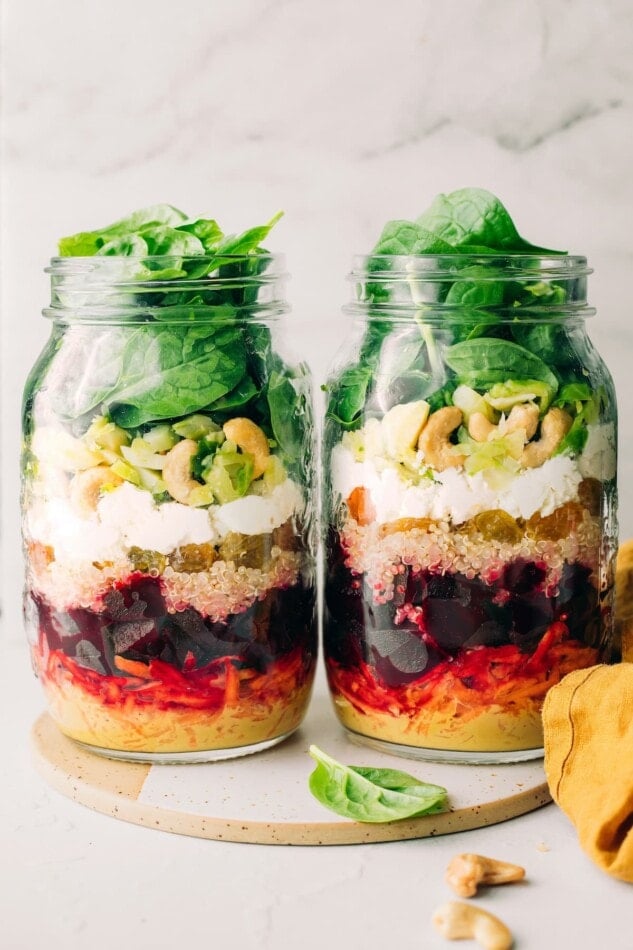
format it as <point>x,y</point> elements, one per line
<point>474,289</point>
<point>247,242</point>
<point>86,369</point>
<point>206,230</point>
<point>127,245</point>
<point>239,396</point>
<point>407,237</point>
<point>473,216</point>
<point>473,295</point>
<point>163,368</point>
<point>546,339</point>
<point>87,243</point>
<point>288,405</point>
<point>486,348</point>
<point>163,230</point>
<point>163,240</point>
<point>348,394</point>
<point>443,396</point>
<point>481,362</point>
<point>402,374</point>
<point>171,371</point>
<point>372,795</point>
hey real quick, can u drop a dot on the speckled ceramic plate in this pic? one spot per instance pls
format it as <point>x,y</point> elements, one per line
<point>264,798</point>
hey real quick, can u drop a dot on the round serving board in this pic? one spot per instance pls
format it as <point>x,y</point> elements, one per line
<point>264,798</point>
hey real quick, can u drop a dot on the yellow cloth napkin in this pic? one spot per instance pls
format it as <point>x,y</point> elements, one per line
<point>588,726</point>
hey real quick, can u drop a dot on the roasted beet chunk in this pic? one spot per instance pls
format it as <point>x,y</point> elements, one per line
<point>450,623</point>
<point>135,624</point>
<point>522,576</point>
<point>398,655</point>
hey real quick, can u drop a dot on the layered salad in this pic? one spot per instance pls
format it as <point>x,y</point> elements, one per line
<point>471,463</point>
<point>170,598</point>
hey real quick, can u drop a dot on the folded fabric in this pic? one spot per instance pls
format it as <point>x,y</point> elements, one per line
<point>588,727</point>
<point>624,599</point>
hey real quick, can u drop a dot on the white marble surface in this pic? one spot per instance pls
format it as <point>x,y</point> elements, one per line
<point>343,114</point>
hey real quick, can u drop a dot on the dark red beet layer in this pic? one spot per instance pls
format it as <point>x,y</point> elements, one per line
<point>439,617</point>
<point>136,625</point>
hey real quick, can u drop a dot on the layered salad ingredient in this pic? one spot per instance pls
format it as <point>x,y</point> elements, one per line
<point>471,467</point>
<point>170,597</point>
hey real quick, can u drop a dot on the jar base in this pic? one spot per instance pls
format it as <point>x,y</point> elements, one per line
<point>446,756</point>
<point>184,758</point>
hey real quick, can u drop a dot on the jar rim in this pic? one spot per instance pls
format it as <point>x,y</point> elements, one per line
<point>501,266</point>
<point>274,264</point>
<point>132,288</point>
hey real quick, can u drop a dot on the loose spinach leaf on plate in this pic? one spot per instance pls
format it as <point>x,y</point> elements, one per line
<point>372,795</point>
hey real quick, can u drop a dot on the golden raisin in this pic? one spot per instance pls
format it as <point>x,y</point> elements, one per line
<point>590,494</point>
<point>497,525</point>
<point>192,558</point>
<point>148,562</point>
<point>246,550</point>
<point>361,507</point>
<point>286,537</point>
<point>560,524</point>
<point>405,524</point>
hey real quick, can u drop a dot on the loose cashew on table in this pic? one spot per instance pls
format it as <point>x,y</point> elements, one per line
<point>467,871</point>
<point>456,920</point>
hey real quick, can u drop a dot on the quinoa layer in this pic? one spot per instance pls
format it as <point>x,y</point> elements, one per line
<point>383,553</point>
<point>224,588</point>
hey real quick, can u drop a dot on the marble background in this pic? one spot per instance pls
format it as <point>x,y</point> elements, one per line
<point>344,114</point>
<point>340,113</point>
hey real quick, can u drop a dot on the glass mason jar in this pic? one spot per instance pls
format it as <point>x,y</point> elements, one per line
<point>168,509</point>
<point>470,454</point>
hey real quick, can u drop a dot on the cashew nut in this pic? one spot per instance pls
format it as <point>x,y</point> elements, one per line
<point>250,438</point>
<point>458,921</point>
<point>554,427</point>
<point>177,470</point>
<point>434,439</point>
<point>86,486</point>
<point>466,871</point>
<point>522,416</point>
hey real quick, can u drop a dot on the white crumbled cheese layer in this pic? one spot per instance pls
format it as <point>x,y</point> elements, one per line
<point>453,495</point>
<point>129,517</point>
<point>144,524</point>
<point>255,514</point>
<point>599,456</point>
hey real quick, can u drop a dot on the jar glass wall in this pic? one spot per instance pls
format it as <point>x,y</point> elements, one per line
<point>168,509</point>
<point>470,471</point>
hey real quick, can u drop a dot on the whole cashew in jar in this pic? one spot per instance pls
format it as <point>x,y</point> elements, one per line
<point>249,437</point>
<point>434,441</point>
<point>86,488</point>
<point>177,470</point>
<point>554,427</point>
<point>523,416</point>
